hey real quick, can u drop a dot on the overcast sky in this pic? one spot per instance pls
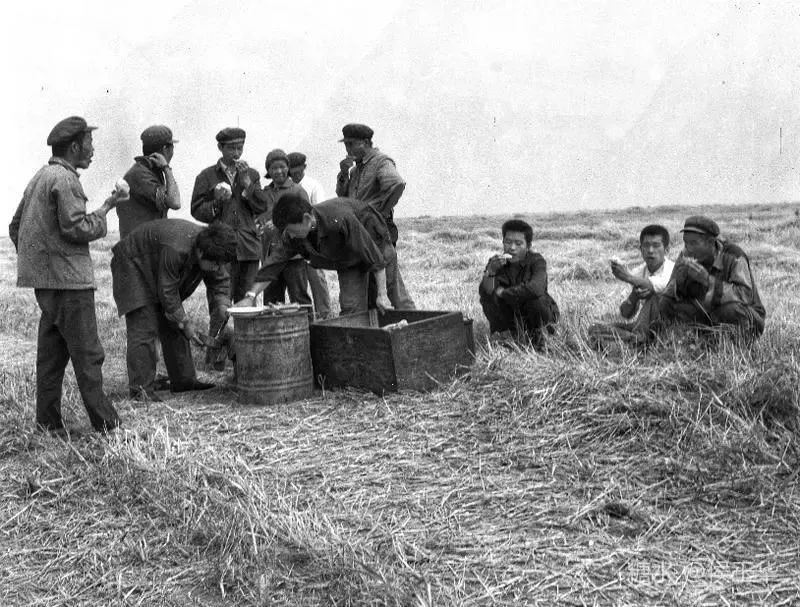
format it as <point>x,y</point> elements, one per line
<point>278,69</point>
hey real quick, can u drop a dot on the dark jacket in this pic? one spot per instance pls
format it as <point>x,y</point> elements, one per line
<point>239,212</point>
<point>148,195</point>
<point>521,281</point>
<point>157,264</point>
<point>349,234</point>
<point>52,230</point>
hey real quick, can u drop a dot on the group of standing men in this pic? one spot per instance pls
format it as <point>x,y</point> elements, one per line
<point>247,247</point>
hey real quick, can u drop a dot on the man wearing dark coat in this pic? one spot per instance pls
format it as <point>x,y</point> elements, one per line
<point>513,291</point>
<point>155,268</point>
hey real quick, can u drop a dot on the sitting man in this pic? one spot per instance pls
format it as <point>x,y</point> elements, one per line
<point>157,266</point>
<point>712,284</point>
<point>341,234</point>
<point>652,276</point>
<point>513,291</point>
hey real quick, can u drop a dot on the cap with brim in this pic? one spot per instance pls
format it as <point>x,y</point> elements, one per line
<point>356,131</point>
<point>66,130</point>
<point>157,135</point>
<point>699,224</point>
<point>231,134</point>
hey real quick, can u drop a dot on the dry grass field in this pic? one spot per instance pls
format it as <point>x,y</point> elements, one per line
<point>569,477</point>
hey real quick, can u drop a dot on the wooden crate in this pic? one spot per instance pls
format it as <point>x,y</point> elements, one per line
<point>433,347</point>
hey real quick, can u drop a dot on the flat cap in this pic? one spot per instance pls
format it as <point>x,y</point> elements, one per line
<point>68,129</point>
<point>276,154</point>
<point>701,225</point>
<point>356,131</point>
<point>157,135</point>
<point>231,134</point>
<point>296,159</point>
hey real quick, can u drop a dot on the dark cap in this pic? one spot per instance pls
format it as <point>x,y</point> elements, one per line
<point>231,134</point>
<point>296,159</point>
<point>356,131</point>
<point>276,154</point>
<point>66,130</point>
<point>701,225</point>
<point>157,136</point>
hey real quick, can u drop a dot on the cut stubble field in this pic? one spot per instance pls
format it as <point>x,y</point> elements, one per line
<point>570,477</point>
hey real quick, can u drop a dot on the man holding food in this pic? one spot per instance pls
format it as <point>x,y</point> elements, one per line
<point>230,192</point>
<point>51,231</point>
<point>153,190</point>
<point>513,291</point>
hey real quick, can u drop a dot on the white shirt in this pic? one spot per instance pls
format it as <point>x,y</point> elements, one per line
<point>660,277</point>
<point>313,188</point>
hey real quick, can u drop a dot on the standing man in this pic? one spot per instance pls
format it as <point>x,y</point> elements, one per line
<point>294,275</point>
<point>51,231</point>
<point>152,186</point>
<point>155,268</point>
<point>230,192</point>
<point>369,175</point>
<point>297,171</point>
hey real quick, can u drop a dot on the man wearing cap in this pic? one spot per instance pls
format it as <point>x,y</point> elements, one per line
<point>316,194</point>
<point>51,231</point>
<point>369,175</point>
<point>712,283</point>
<point>230,192</point>
<point>297,171</point>
<point>153,190</point>
<point>294,276</point>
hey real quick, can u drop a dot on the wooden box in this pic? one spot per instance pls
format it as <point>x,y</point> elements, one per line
<point>356,350</point>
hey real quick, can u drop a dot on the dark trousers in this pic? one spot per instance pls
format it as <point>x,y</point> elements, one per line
<point>243,273</point>
<point>144,325</point>
<point>68,331</point>
<point>531,316</point>
<point>293,278</point>
<point>737,316</point>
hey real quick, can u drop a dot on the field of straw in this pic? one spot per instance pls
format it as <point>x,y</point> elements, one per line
<point>569,477</point>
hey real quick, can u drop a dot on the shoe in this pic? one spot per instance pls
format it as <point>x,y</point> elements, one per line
<point>191,386</point>
<point>161,382</point>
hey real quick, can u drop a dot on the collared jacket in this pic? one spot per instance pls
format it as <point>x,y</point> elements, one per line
<point>349,234</point>
<point>520,281</point>
<point>157,264</point>
<point>273,193</point>
<point>148,196</point>
<point>730,282</point>
<point>239,212</point>
<point>375,180</point>
<point>52,231</point>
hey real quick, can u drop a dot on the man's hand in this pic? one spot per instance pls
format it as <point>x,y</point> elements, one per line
<point>382,303</point>
<point>189,332</point>
<point>691,279</point>
<point>222,191</point>
<point>620,272</point>
<point>346,163</point>
<point>496,262</point>
<point>499,291</point>
<point>243,170</point>
<point>645,291</point>
<point>158,160</point>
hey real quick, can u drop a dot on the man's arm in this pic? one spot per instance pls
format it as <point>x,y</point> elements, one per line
<point>391,185</point>
<point>206,204</point>
<point>172,195</point>
<point>343,178</point>
<point>535,286</point>
<point>169,295</point>
<point>253,195</point>
<point>13,227</point>
<point>75,224</point>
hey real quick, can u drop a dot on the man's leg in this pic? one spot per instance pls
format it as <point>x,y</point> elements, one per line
<point>499,314</point>
<point>78,325</point>
<point>275,291</point>
<point>176,350</point>
<point>396,288</point>
<point>739,316</point>
<point>52,357</point>
<point>319,292</point>
<point>295,275</point>
<point>142,330</point>
<point>673,310</point>
<point>353,291</point>
<point>539,313</point>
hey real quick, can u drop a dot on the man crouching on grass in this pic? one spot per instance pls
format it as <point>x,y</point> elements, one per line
<point>342,234</point>
<point>513,291</point>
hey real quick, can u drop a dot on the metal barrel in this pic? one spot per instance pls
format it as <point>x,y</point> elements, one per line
<point>273,358</point>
